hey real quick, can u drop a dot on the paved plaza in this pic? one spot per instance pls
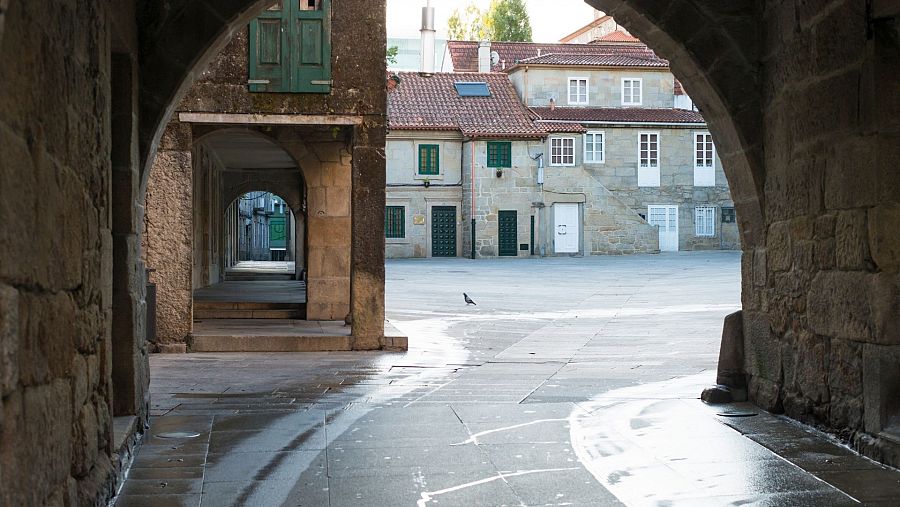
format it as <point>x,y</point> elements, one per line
<point>572,381</point>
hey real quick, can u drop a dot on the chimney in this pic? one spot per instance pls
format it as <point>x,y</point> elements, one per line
<point>484,56</point>
<point>427,31</point>
<point>552,104</point>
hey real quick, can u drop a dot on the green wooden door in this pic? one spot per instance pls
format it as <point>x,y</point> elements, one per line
<point>508,233</point>
<point>443,231</point>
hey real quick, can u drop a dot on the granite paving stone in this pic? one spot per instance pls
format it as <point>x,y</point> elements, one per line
<point>575,381</point>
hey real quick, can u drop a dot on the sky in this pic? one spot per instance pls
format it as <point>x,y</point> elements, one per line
<point>550,20</point>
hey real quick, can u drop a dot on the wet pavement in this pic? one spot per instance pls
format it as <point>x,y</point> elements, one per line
<point>571,382</point>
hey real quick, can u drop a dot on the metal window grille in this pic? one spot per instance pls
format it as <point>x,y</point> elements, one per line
<point>395,222</point>
<point>705,221</point>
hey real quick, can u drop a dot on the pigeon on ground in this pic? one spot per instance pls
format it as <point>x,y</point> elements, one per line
<point>468,299</point>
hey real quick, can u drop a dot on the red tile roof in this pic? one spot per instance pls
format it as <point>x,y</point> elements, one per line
<point>618,36</point>
<point>464,54</point>
<point>560,127</point>
<point>592,60</point>
<point>617,114</point>
<point>432,103</point>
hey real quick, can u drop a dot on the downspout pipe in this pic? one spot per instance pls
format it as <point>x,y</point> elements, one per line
<point>473,197</point>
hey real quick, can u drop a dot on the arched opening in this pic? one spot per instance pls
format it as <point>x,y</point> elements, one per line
<point>259,226</point>
<point>801,98</point>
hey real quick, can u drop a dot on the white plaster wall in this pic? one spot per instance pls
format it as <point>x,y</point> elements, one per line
<point>401,151</point>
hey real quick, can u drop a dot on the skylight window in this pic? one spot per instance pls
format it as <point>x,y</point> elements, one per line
<point>472,89</point>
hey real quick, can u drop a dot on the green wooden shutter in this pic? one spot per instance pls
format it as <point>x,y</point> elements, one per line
<point>290,48</point>
<point>269,43</point>
<point>311,58</point>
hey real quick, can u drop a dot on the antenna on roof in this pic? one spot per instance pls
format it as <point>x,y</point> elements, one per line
<point>495,58</point>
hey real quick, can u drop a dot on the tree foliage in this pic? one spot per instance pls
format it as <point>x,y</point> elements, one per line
<point>504,20</point>
<point>470,24</point>
<point>391,56</point>
<point>509,21</point>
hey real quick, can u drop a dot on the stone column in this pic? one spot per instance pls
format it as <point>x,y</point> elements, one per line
<point>367,253</point>
<point>168,237</point>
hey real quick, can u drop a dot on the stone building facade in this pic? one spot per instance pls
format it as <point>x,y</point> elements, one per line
<point>595,199</point>
<point>802,97</point>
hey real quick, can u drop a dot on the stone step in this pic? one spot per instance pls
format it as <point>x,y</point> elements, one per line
<point>268,343</point>
<point>281,336</point>
<point>206,304</point>
<point>258,277</point>
<point>201,314</point>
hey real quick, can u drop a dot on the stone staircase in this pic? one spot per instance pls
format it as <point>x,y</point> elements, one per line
<point>248,310</point>
<point>239,276</point>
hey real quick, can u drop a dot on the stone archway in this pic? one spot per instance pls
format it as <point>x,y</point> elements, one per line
<point>803,101</point>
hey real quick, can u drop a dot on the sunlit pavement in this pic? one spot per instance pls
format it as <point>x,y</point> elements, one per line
<point>573,381</point>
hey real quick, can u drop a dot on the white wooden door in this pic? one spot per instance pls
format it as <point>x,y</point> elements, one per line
<point>666,217</point>
<point>566,233</point>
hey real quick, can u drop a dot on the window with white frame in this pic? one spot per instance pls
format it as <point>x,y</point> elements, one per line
<point>648,149</point>
<point>578,90</point>
<point>704,152</point>
<point>704,160</point>
<point>562,151</point>
<point>631,91</point>
<point>593,148</point>
<point>705,221</point>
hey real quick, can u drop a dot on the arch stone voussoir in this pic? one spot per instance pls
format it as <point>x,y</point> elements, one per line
<point>178,39</point>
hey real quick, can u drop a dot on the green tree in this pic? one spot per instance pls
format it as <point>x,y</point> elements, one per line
<point>470,24</point>
<point>392,55</point>
<point>504,20</point>
<point>509,21</point>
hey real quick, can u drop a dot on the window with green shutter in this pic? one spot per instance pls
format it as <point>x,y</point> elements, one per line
<point>290,48</point>
<point>429,159</point>
<point>499,154</point>
<point>395,222</point>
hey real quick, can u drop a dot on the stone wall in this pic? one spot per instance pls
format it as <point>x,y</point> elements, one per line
<point>822,298</point>
<point>418,202</point>
<point>604,86</point>
<point>676,176</point>
<point>405,187</point>
<point>83,104</point>
<point>57,259</point>
<point>806,113</point>
<point>607,225</point>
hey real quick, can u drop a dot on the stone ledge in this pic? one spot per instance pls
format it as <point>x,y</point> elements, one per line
<point>273,343</point>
